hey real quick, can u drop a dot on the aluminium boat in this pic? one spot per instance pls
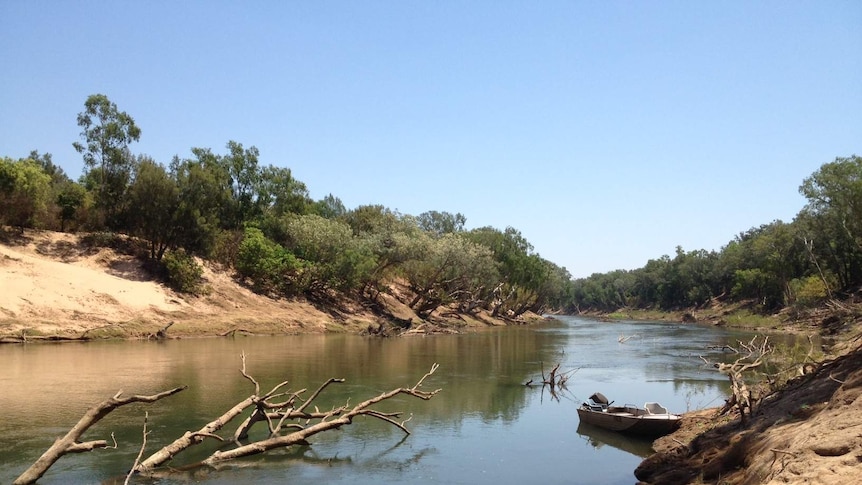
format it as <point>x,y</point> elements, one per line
<point>651,420</point>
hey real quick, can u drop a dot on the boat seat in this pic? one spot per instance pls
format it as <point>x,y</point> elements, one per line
<point>655,408</point>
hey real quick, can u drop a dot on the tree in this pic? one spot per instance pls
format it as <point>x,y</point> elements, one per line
<point>451,269</point>
<point>204,192</point>
<point>71,199</point>
<point>107,132</point>
<point>24,193</point>
<point>154,201</point>
<point>266,263</point>
<point>834,194</point>
<point>330,207</point>
<point>279,193</point>
<point>244,179</point>
<point>439,223</point>
<point>336,259</point>
<point>46,161</point>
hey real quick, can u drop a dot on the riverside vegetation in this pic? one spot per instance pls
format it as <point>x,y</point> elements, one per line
<point>193,221</point>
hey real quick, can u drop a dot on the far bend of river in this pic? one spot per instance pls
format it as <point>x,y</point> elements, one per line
<point>485,427</point>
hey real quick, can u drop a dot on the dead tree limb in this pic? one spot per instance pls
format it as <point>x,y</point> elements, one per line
<point>300,437</point>
<point>276,414</point>
<point>70,444</point>
<point>141,452</point>
<point>752,356</point>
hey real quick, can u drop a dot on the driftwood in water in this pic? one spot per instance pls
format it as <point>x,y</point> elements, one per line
<point>286,414</point>
<point>70,444</point>
<point>282,411</point>
<point>554,381</point>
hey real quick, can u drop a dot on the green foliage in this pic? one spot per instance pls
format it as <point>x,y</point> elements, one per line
<point>336,260</point>
<point>439,223</point>
<point>107,132</point>
<point>183,273</point>
<point>24,193</point>
<point>266,263</point>
<point>329,207</point>
<point>102,239</point>
<point>451,269</point>
<point>72,200</point>
<point>153,201</point>
<point>278,193</point>
<point>809,291</point>
<point>203,192</point>
<point>833,217</point>
<point>259,218</point>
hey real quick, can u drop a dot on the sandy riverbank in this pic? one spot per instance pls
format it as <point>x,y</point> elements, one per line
<point>53,285</point>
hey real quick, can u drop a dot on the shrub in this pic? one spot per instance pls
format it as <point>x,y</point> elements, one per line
<point>809,291</point>
<point>265,262</point>
<point>183,273</point>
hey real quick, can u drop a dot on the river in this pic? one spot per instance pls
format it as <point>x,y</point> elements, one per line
<point>485,426</point>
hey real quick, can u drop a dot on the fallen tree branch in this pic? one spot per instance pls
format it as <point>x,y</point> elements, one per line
<point>70,444</point>
<point>300,437</point>
<point>141,452</point>
<point>276,414</point>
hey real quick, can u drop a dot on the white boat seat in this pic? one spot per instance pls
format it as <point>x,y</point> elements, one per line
<point>655,408</point>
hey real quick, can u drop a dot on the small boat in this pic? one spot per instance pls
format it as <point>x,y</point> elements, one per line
<point>651,420</point>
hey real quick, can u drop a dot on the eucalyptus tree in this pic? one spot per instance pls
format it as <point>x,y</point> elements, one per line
<point>267,264</point>
<point>72,201</point>
<point>452,269</point>
<point>243,172</point>
<point>393,238</point>
<point>834,194</point>
<point>106,133</point>
<point>522,273</point>
<point>46,161</point>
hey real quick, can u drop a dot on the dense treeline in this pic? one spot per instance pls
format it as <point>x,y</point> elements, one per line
<point>802,263</point>
<point>260,221</point>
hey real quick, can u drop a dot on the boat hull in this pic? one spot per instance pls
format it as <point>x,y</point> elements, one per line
<point>646,425</point>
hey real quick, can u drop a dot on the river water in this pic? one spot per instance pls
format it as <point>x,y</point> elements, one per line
<point>485,426</point>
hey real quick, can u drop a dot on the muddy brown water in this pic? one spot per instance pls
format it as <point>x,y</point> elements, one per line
<point>485,426</point>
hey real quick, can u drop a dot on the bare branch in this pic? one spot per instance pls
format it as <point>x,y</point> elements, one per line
<point>318,391</point>
<point>141,452</point>
<point>69,443</point>
<point>433,368</point>
<point>86,446</point>
<point>244,374</point>
<point>326,423</point>
<point>190,439</point>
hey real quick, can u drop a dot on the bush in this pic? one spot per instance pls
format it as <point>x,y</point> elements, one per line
<point>225,249</point>
<point>266,263</point>
<point>183,273</point>
<point>809,291</point>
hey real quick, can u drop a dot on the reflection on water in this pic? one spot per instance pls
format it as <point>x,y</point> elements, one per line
<point>484,427</point>
<point>598,437</point>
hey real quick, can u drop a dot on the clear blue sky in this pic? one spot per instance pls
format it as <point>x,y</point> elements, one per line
<point>608,133</point>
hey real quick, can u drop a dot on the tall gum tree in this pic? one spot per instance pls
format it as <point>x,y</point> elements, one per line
<point>106,133</point>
